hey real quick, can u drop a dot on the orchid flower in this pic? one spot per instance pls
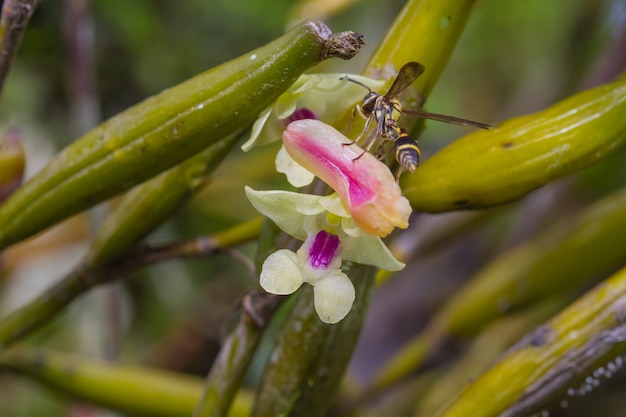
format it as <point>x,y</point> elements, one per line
<point>347,224</point>
<point>324,95</point>
<point>329,236</point>
<point>365,184</point>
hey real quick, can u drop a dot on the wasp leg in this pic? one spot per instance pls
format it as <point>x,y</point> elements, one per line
<point>369,146</point>
<point>356,158</point>
<point>354,110</point>
<point>398,173</point>
<point>358,138</point>
<point>381,153</point>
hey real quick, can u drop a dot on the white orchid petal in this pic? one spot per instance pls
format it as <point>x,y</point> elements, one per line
<point>313,223</point>
<point>333,83</point>
<point>306,82</point>
<point>333,204</point>
<point>333,94</point>
<point>296,174</point>
<point>285,105</point>
<point>286,210</point>
<point>281,207</point>
<point>350,228</point>
<point>309,208</point>
<point>258,125</point>
<point>333,297</point>
<point>370,250</point>
<point>280,273</point>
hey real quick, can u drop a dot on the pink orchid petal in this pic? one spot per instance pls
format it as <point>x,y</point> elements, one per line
<point>364,183</point>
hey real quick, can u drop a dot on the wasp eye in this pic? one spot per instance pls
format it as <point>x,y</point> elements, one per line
<point>369,102</point>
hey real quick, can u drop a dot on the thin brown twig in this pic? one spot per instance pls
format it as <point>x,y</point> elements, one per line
<point>149,255</point>
<point>15,17</point>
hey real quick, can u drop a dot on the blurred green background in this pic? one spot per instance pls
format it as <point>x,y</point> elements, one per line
<point>515,57</point>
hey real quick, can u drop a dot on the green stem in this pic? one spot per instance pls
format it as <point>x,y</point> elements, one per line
<point>488,168</point>
<point>235,356</point>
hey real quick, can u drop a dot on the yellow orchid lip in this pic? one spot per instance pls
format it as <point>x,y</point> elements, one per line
<point>365,184</point>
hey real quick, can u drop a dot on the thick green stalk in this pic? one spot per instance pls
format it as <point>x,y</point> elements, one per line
<point>425,31</point>
<point>166,129</point>
<point>148,205</point>
<point>428,391</point>
<point>555,358</point>
<point>298,383</point>
<point>133,390</point>
<point>486,168</point>
<point>306,366</point>
<point>496,339</point>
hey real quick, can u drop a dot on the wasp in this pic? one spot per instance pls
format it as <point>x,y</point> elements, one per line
<point>386,111</point>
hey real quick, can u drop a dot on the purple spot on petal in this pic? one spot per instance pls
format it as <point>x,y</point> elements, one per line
<point>300,114</point>
<point>323,250</point>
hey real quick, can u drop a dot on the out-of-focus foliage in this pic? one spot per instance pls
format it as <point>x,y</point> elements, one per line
<point>514,58</point>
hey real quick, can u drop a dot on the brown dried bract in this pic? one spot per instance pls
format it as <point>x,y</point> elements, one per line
<point>342,45</point>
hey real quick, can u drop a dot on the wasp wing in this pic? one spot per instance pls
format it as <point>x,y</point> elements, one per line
<point>407,74</point>
<point>447,119</point>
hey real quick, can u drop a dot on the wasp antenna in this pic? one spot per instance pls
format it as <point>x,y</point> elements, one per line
<point>356,82</point>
